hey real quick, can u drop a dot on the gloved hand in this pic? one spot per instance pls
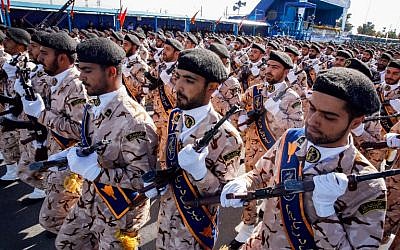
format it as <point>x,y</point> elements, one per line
<point>126,71</point>
<point>327,189</point>
<point>58,156</point>
<point>359,130</point>
<point>33,108</point>
<point>272,106</point>
<point>86,166</point>
<point>234,186</point>
<point>192,162</point>
<point>165,77</point>
<point>242,119</point>
<point>255,71</point>
<point>154,192</point>
<point>18,87</point>
<point>146,90</point>
<point>392,140</point>
<point>395,104</point>
<point>10,70</point>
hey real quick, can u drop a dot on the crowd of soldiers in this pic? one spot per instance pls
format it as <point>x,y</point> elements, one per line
<point>92,119</point>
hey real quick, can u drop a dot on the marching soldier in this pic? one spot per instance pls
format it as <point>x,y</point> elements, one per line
<point>202,173</point>
<point>341,57</point>
<point>267,118</point>
<point>100,220</point>
<point>331,216</point>
<point>62,115</point>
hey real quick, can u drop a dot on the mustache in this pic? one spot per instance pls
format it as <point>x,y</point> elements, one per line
<point>180,95</point>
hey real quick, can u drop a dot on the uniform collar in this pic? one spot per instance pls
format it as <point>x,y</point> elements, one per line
<point>192,118</point>
<point>388,87</point>
<point>60,78</point>
<point>133,57</point>
<point>98,103</point>
<point>273,88</point>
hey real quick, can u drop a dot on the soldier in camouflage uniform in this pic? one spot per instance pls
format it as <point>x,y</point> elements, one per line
<point>62,114</point>
<point>113,115</point>
<point>199,73</point>
<point>281,114</point>
<point>253,71</point>
<point>15,44</point>
<point>331,216</point>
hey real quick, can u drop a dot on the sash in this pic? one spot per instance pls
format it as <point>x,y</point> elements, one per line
<point>263,131</point>
<point>298,229</point>
<point>386,109</point>
<point>62,141</point>
<point>117,199</point>
<point>167,105</point>
<point>198,220</point>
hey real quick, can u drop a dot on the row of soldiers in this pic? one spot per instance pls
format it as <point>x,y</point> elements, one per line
<point>301,118</point>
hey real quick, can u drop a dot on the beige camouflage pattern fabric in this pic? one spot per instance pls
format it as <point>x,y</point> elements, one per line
<point>63,116</point>
<point>356,225</point>
<point>135,81</point>
<point>222,163</point>
<point>131,153</point>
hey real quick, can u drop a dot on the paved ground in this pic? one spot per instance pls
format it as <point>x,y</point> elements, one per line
<point>19,228</point>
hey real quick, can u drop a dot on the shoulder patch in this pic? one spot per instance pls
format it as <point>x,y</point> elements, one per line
<point>371,206</point>
<point>231,155</point>
<point>136,135</point>
<point>296,104</point>
<point>78,101</point>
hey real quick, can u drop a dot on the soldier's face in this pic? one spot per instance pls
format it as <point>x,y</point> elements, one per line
<point>382,63</point>
<point>366,57</point>
<point>191,90</point>
<point>94,78</point>
<point>392,75</point>
<point>328,124</point>
<point>48,58</point>
<point>304,51</point>
<point>340,61</point>
<point>33,50</point>
<point>168,53</point>
<point>10,46</point>
<point>189,44</point>
<point>255,55</point>
<point>159,43</point>
<point>275,72</point>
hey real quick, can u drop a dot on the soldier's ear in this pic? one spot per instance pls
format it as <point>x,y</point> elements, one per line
<point>212,86</point>
<point>356,122</point>
<point>112,71</point>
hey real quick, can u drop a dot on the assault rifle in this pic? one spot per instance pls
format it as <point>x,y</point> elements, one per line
<point>62,163</point>
<point>160,178</point>
<point>380,117</point>
<point>157,82</point>
<point>289,187</point>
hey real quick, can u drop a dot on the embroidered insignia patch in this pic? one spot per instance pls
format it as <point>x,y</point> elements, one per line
<point>136,135</point>
<point>77,102</point>
<point>371,206</point>
<point>313,155</point>
<point>270,88</point>
<point>231,155</point>
<point>296,104</point>
<point>189,121</point>
<point>387,88</point>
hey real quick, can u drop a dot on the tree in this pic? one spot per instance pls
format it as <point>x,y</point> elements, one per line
<point>392,34</point>
<point>348,26</point>
<point>367,29</point>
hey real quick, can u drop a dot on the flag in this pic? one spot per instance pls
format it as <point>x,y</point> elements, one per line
<point>193,19</point>
<point>2,5</point>
<point>121,17</point>
<point>72,10</point>
<point>218,21</point>
<point>241,23</point>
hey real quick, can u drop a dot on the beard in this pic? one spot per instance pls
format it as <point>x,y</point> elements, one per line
<point>321,138</point>
<point>52,68</point>
<point>312,56</point>
<point>184,103</point>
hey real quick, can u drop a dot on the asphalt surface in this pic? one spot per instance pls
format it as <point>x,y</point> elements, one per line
<point>19,228</point>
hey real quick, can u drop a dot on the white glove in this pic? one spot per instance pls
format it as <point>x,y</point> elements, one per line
<point>392,140</point>
<point>10,70</point>
<point>86,166</point>
<point>33,108</point>
<point>165,77</point>
<point>359,130</point>
<point>192,162</point>
<point>234,186</point>
<point>395,104</point>
<point>255,71</point>
<point>291,77</point>
<point>242,119</point>
<point>126,71</point>
<point>154,192</point>
<point>37,144</point>
<point>272,106</point>
<point>327,189</point>
<point>309,93</point>
<point>145,90</point>
<point>58,156</point>
<point>18,87</point>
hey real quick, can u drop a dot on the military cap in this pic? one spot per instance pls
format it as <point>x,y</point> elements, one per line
<point>391,53</point>
<point>330,47</point>
<point>117,35</point>
<point>259,47</point>
<point>386,56</point>
<point>316,48</point>
<point>219,49</point>
<point>369,51</point>
<point>247,39</point>
<point>292,49</point>
<point>351,86</point>
<point>273,45</point>
<point>31,30</point>
<point>305,45</point>
<point>344,53</point>
<point>394,64</point>
<point>282,58</point>
<point>151,33</point>
<point>91,35</point>
<point>161,37</point>
<point>169,33</point>
<point>192,38</point>
<point>2,36</point>
<point>179,33</point>
<point>100,51</point>
<point>139,35</point>
<point>19,36</point>
<point>218,40</point>
<point>240,40</point>
<point>3,27</point>
<point>133,39</point>
<point>175,44</point>
<point>38,36</point>
<point>355,50</point>
<point>160,32</point>
<point>55,28</point>
<point>203,62</point>
<point>229,38</point>
<point>354,63</point>
<point>59,41</point>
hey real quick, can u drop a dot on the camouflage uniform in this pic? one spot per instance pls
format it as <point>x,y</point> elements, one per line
<point>222,163</point>
<point>63,115</point>
<point>355,225</point>
<point>135,80</point>
<point>91,224</point>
